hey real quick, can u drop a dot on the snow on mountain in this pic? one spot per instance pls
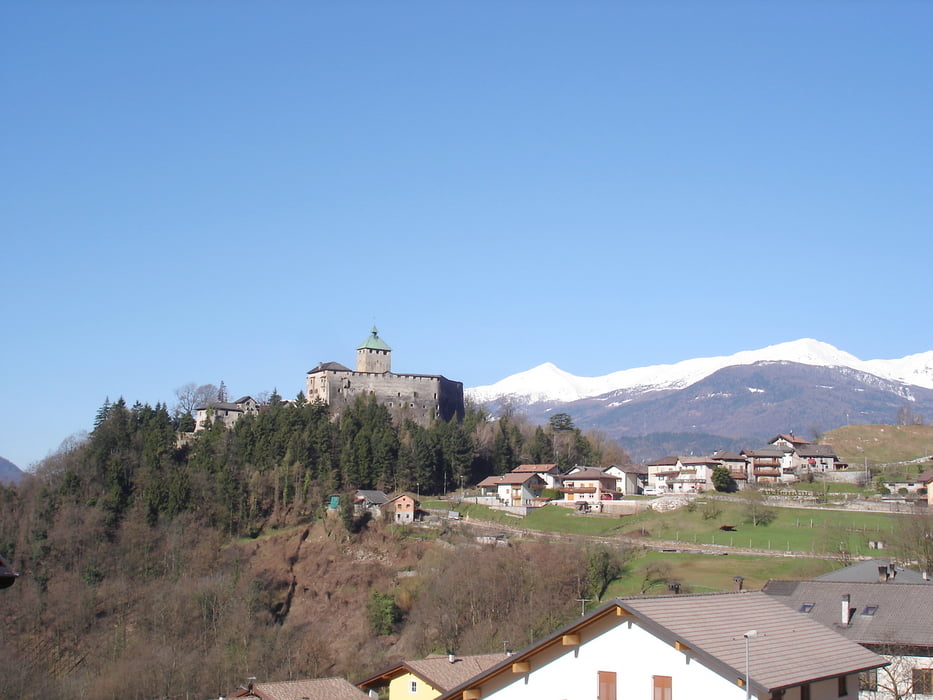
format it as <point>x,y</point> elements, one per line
<point>548,382</point>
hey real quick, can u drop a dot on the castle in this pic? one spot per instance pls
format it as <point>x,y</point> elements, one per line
<point>421,397</point>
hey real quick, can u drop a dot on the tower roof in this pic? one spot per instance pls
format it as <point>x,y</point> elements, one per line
<point>374,342</point>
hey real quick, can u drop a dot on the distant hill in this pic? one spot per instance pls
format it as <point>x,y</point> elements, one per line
<point>9,472</point>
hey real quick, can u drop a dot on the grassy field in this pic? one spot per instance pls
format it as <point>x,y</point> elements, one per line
<point>703,573</point>
<point>793,530</point>
<point>805,530</point>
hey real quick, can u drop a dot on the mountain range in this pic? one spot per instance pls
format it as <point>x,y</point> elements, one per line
<point>804,386</point>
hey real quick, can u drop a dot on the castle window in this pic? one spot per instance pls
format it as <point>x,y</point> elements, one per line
<point>415,394</point>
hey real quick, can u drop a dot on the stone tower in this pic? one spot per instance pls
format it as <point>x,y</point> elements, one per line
<point>373,355</point>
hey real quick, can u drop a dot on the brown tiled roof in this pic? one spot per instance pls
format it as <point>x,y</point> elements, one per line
<point>589,473</point>
<point>727,456</point>
<point>313,689</point>
<point>926,477</point>
<point>436,670</point>
<point>903,612</point>
<point>534,468</point>
<point>789,437</point>
<point>668,461</point>
<point>510,478</point>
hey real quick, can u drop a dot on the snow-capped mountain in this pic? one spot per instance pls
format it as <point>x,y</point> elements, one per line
<point>547,383</point>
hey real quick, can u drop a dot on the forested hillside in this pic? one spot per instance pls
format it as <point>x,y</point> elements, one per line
<point>154,566</point>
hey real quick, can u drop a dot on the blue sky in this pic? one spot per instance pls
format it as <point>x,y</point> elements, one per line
<point>229,191</point>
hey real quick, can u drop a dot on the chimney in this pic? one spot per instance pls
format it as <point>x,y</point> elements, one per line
<point>737,583</point>
<point>892,572</point>
<point>673,586</point>
<point>845,610</point>
<point>926,576</point>
<point>882,574</point>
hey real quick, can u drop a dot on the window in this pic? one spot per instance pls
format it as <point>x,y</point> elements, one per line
<point>412,686</point>
<point>806,607</point>
<point>842,686</point>
<point>870,610</point>
<point>662,688</point>
<point>923,681</point>
<point>868,680</point>
<point>607,685</point>
<point>805,691</point>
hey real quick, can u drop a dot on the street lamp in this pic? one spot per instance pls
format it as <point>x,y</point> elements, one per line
<point>751,634</point>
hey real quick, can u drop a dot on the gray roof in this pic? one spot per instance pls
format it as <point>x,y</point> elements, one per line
<point>312,689</point>
<point>816,451</point>
<point>371,496</point>
<point>727,456</point>
<point>332,366</point>
<point>903,612</point>
<point>867,572</point>
<point>798,650</point>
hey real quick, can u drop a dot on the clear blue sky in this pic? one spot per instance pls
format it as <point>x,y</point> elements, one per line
<point>229,191</point>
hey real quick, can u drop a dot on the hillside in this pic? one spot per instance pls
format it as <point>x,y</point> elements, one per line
<point>881,444</point>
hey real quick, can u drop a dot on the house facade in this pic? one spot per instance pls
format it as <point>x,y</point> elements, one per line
<point>427,678</point>
<point>401,510</point>
<point>589,485</point>
<point>701,647</point>
<point>513,489</point>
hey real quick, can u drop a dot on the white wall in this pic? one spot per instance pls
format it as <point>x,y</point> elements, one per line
<point>635,656</point>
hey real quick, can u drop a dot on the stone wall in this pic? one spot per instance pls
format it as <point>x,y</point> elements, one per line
<point>419,397</point>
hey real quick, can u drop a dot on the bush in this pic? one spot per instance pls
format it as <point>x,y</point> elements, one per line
<point>382,612</point>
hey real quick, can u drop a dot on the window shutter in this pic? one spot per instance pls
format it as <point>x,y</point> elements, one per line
<point>607,685</point>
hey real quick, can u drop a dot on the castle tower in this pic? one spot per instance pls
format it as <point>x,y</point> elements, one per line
<point>373,355</point>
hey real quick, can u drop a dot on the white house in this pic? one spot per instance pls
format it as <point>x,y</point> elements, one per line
<point>226,412</point>
<point>513,489</point>
<point>702,647</point>
<point>549,473</point>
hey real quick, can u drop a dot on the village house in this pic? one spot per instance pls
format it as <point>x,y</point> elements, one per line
<point>702,647</point>
<point>631,479</point>
<point>770,465</point>
<point>661,472</point>
<point>401,509</point>
<point>427,678</point>
<point>549,473</point>
<point>737,466</point>
<point>513,489</point>
<point>369,501</point>
<point>225,412</point>
<point>888,616</point>
<point>589,485</point>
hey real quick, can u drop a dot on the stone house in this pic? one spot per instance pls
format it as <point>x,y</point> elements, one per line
<point>226,412</point>
<point>421,397</point>
<point>725,646</point>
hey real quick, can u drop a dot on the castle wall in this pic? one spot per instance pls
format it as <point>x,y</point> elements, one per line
<point>417,396</point>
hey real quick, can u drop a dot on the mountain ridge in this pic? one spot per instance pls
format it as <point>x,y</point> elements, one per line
<point>549,383</point>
